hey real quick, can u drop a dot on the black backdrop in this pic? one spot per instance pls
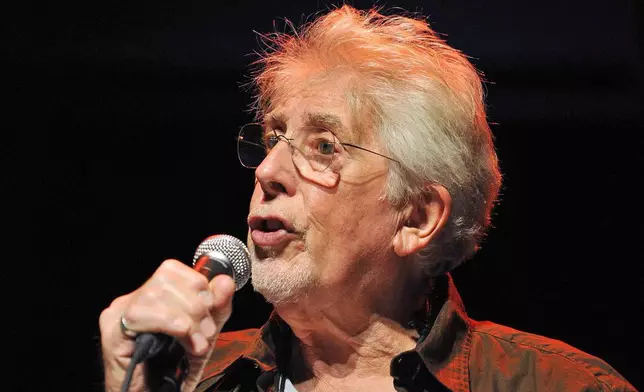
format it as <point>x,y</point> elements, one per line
<point>118,153</point>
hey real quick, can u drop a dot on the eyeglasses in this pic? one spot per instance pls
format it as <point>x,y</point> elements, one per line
<point>313,149</point>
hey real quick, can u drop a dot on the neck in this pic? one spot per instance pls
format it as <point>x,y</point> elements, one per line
<point>353,339</point>
<point>336,355</point>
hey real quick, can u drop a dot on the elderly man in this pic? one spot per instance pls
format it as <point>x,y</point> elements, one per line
<point>375,176</point>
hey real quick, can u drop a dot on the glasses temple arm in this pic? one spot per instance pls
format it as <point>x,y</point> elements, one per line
<point>373,152</point>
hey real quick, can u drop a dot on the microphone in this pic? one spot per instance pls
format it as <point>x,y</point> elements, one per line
<point>216,255</point>
<point>223,254</point>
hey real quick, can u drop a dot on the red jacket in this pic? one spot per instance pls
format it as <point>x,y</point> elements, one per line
<point>454,353</point>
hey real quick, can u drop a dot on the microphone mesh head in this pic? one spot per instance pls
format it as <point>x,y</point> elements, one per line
<point>234,249</point>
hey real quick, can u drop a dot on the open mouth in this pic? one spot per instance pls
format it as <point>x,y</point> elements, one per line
<point>270,231</point>
<point>269,224</point>
<point>272,225</point>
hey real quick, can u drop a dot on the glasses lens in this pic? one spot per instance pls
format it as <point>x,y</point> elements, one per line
<point>250,145</point>
<point>312,150</point>
<point>315,146</point>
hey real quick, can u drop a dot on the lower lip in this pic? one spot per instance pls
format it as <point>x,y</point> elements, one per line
<point>270,238</point>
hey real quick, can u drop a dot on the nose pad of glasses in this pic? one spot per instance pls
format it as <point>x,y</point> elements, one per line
<point>277,150</point>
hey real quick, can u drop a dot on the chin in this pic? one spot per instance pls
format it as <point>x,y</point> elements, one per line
<point>281,281</point>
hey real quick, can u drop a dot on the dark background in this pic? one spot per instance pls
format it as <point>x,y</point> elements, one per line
<point>118,152</point>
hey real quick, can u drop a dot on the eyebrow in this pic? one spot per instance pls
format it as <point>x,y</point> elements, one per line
<point>274,118</point>
<point>327,121</point>
<point>323,120</point>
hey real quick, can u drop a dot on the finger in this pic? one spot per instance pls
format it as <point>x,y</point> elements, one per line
<point>179,301</point>
<point>222,288</point>
<point>187,290</point>
<point>175,272</point>
<point>175,311</point>
<point>112,312</point>
<point>109,320</point>
<point>166,320</point>
<point>188,301</point>
<point>157,318</point>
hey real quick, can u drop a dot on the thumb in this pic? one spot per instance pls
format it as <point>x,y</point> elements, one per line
<point>222,288</point>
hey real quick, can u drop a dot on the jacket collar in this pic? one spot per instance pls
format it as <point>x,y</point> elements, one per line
<point>444,345</point>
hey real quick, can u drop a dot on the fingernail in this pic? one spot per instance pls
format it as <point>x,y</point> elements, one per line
<point>208,327</point>
<point>199,343</point>
<point>207,298</point>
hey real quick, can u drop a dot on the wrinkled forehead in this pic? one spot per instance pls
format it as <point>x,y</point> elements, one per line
<point>329,103</point>
<point>298,115</point>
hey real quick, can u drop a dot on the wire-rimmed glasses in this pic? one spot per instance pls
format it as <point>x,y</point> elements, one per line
<point>313,149</point>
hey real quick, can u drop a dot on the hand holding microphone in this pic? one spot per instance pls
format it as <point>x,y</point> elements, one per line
<point>177,303</point>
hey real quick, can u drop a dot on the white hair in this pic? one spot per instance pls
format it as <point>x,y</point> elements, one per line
<point>423,97</point>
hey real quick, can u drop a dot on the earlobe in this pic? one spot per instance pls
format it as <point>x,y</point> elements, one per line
<point>425,220</point>
<point>405,241</point>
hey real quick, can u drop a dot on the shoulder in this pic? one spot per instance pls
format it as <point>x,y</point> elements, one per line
<point>520,358</point>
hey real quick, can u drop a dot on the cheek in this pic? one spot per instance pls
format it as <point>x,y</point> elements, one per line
<point>342,223</point>
<point>346,232</point>
<point>330,215</point>
<point>256,197</point>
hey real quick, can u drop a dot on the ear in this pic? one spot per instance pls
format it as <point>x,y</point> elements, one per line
<point>423,220</point>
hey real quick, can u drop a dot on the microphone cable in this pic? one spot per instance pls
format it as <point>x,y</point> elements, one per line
<point>147,347</point>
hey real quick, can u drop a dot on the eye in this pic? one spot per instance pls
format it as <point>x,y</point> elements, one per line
<point>326,147</point>
<point>270,141</point>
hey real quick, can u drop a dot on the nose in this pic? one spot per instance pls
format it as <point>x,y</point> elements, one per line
<point>277,174</point>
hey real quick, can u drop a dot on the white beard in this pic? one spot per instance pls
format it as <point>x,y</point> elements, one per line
<point>282,281</point>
